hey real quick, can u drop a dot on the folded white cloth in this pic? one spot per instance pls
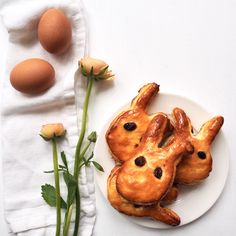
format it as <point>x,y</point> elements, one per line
<point>24,154</point>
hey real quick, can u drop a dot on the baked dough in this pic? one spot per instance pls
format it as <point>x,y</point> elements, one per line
<point>197,166</point>
<point>156,212</point>
<point>142,181</point>
<point>126,130</point>
<point>171,196</point>
<point>123,140</point>
<point>147,176</point>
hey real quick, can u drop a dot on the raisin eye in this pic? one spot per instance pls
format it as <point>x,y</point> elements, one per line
<point>158,172</point>
<point>130,126</point>
<point>140,161</point>
<point>201,155</point>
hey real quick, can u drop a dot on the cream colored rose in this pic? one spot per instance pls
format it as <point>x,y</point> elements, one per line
<point>50,131</point>
<point>100,68</point>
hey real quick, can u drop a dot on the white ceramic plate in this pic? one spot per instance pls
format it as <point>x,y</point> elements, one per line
<point>193,201</point>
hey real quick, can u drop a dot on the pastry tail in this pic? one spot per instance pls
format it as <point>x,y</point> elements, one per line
<point>166,216</point>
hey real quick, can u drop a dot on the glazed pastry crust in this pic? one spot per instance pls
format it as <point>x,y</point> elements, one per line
<point>156,212</point>
<point>142,182</point>
<point>198,165</point>
<point>121,142</point>
<point>149,183</point>
<point>171,196</point>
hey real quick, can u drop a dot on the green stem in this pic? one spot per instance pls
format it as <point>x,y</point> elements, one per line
<point>67,220</point>
<point>57,187</point>
<point>82,155</point>
<point>83,127</point>
<point>84,150</point>
<point>78,157</point>
<point>77,211</point>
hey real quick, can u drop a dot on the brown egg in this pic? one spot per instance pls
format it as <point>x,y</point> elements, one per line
<point>32,76</point>
<point>54,31</point>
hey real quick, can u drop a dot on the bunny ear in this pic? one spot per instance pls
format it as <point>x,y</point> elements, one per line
<point>182,122</point>
<point>156,130</point>
<point>210,129</point>
<point>146,93</point>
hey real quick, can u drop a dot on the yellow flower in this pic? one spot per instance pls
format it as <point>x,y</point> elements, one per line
<point>50,131</point>
<point>98,68</point>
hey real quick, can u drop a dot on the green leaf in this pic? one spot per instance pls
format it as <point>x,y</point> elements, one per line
<point>71,184</point>
<point>51,171</point>
<point>102,71</point>
<point>82,164</point>
<point>48,171</point>
<point>98,166</point>
<point>46,139</point>
<point>48,193</point>
<point>62,167</point>
<point>87,161</point>
<point>104,77</point>
<point>64,160</point>
<point>83,71</point>
<point>93,137</point>
<point>90,157</point>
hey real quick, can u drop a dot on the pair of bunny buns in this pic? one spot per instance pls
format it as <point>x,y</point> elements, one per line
<point>148,168</point>
<point>138,185</point>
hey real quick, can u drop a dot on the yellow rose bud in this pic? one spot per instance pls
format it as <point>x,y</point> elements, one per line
<point>98,67</point>
<point>50,131</point>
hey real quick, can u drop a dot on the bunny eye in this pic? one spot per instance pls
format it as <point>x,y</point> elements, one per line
<point>140,161</point>
<point>158,172</point>
<point>130,126</point>
<point>201,155</point>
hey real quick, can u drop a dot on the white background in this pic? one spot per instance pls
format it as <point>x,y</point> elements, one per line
<point>189,48</point>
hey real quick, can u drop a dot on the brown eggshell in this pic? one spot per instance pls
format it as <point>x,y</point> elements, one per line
<point>32,76</point>
<point>54,31</point>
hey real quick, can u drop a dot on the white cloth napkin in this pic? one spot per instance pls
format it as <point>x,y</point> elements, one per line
<point>24,154</point>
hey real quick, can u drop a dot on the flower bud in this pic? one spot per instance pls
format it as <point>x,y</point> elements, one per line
<point>96,68</point>
<point>93,137</point>
<point>51,131</point>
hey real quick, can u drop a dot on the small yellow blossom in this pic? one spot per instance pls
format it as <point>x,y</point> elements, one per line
<point>98,68</point>
<point>50,131</point>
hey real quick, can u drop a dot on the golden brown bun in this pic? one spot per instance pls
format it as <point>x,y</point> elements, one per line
<point>146,177</point>
<point>143,183</point>
<point>123,143</point>
<point>198,165</point>
<point>126,130</point>
<point>156,212</point>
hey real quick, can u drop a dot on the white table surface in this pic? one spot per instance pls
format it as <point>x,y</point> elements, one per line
<point>189,48</point>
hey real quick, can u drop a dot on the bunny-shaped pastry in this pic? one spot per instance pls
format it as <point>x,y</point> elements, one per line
<point>156,212</point>
<point>199,164</point>
<point>125,131</point>
<point>148,174</point>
